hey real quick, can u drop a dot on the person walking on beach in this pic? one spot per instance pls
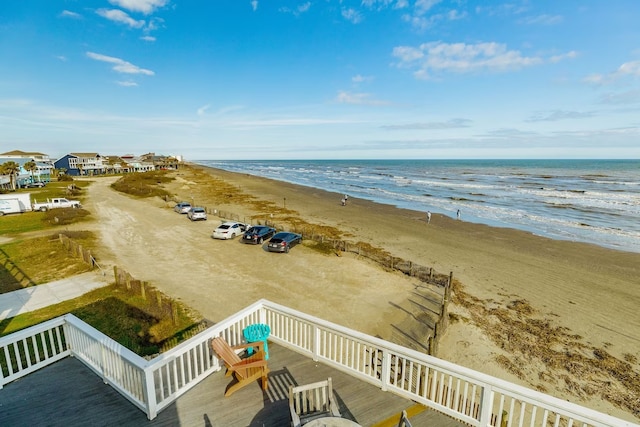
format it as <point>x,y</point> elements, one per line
<point>428,217</point>
<point>458,214</point>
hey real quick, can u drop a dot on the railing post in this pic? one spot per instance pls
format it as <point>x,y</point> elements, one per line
<point>150,394</point>
<point>262,315</point>
<point>315,345</point>
<point>386,368</point>
<point>486,405</point>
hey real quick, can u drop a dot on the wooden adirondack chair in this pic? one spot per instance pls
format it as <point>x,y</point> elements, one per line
<point>404,420</point>
<point>246,370</point>
<point>310,401</point>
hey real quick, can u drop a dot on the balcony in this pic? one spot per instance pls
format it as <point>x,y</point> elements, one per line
<point>374,380</point>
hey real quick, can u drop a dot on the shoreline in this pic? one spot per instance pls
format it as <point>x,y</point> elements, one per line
<point>587,290</point>
<point>539,215</point>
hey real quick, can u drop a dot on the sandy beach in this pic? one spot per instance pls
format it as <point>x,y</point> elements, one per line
<point>556,316</point>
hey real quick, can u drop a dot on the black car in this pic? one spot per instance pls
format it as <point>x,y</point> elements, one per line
<point>283,241</point>
<point>258,234</point>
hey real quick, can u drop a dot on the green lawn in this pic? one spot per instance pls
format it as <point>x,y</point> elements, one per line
<point>115,313</point>
<point>21,223</point>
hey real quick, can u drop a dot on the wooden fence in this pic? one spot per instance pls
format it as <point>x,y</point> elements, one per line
<point>78,251</point>
<point>158,302</point>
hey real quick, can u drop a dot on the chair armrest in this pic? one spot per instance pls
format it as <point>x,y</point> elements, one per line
<point>256,364</point>
<point>258,344</point>
<point>333,407</point>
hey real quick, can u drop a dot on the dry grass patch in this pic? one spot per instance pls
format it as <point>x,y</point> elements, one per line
<point>31,262</point>
<point>148,184</point>
<point>569,364</point>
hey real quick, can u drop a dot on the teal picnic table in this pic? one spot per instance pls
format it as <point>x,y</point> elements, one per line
<point>257,332</point>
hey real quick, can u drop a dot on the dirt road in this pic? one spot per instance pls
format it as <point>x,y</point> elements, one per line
<point>217,278</point>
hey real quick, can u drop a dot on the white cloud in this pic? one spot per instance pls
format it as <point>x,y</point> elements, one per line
<point>543,20</point>
<point>352,15</point>
<point>449,124</point>
<point>557,115</point>
<point>628,97</point>
<point>361,79</point>
<point>144,6</point>
<point>422,18</point>
<point>436,57</point>
<point>121,17</point>
<point>569,55</point>
<point>423,6</point>
<point>302,8</point>
<point>127,83</point>
<point>202,110</point>
<point>384,4</point>
<point>121,66</point>
<point>254,5</point>
<point>148,38</point>
<point>628,69</point>
<point>61,58</point>
<point>69,14</point>
<point>344,97</point>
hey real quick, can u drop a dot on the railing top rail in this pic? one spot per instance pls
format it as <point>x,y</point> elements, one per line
<point>30,331</point>
<point>206,334</point>
<point>121,350</point>
<point>497,385</point>
<point>502,386</point>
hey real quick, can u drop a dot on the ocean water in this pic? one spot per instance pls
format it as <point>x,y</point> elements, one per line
<point>593,201</point>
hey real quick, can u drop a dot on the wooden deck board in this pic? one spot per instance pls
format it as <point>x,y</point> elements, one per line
<point>69,394</point>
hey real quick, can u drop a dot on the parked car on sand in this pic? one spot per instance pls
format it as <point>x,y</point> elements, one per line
<point>197,213</point>
<point>283,241</point>
<point>229,230</point>
<point>182,207</point>
<point>258,234</point>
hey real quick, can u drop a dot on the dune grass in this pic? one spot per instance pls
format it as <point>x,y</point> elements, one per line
<point>148,184</point>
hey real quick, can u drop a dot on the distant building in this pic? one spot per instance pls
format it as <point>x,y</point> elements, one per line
<point>43,171</point>
<point>80,164</point>
<point>127,163</point>
<point>161,162</point>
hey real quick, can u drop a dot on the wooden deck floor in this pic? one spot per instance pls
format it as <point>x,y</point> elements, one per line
<point>69,394</point>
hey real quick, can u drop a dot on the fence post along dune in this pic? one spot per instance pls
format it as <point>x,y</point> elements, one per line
<point>154,298</point>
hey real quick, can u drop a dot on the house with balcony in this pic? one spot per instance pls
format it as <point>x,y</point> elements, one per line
<point>64,372</point>
<point>161,161</point>
<point>42,173</point>
<point>80,164</point>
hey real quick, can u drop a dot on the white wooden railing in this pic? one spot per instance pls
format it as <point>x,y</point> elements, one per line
<point>466,395</point>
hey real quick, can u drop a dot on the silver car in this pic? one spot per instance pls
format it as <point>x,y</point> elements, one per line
<point>197,213</point>
<point>229,230</point>
<point>182,207</point>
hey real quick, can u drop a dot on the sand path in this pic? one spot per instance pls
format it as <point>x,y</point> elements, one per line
<point>217,278</point>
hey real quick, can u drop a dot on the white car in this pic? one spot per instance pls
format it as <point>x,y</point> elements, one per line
<point>197,213</point>
<point>229,230</point>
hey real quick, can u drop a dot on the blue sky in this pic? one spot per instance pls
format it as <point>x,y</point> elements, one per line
<point>325,79</point>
